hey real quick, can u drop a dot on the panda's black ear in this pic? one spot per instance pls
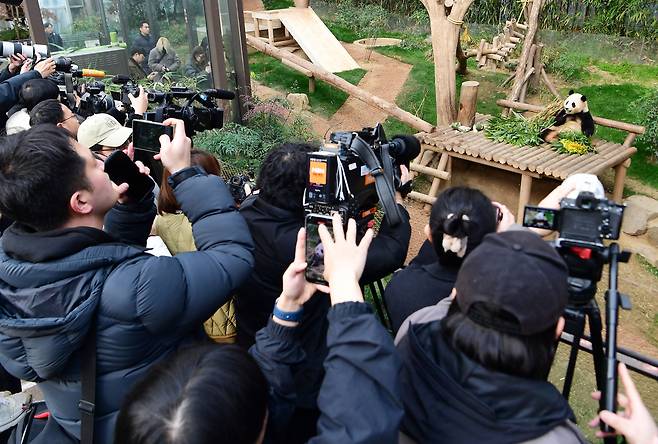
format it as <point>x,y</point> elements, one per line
<point>571,91</point>
<point>583,98</point>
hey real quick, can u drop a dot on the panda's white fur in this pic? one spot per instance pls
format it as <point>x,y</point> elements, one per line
<point>574,116</point>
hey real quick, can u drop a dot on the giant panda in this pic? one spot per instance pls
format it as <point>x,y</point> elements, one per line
<point>574,116</point>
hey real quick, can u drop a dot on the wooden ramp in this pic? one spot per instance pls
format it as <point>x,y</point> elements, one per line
<point>305,28</point>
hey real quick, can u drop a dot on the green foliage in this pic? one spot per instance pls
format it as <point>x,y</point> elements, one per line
<point>567,64</point>
<point>628,71</point>
<point>368,19</point>
<point>277,4</point>
<point>89,24</point>
<point>267,125</point>
<point>647,109</point>
<point>325,100</point>
<point>177,34</point>
<point>571,142</point>
<point>17,33</point>
<point>516,129</point>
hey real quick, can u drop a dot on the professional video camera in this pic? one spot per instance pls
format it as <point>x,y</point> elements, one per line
<point>583,223</point>
<point>208,116</point>
<point>66,75</point>
<point>127,87</point>
<point>94,100</point>
<point>241,187</point>
<point>359,170</point>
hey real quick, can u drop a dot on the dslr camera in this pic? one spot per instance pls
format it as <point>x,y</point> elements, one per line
<point>583,224</point>
<point>95,100</point>
<point>584,220</point>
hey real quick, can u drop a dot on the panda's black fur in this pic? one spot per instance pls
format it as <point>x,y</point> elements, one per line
<point>574,116</point>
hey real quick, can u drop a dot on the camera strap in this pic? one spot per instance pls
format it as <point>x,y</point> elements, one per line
<point>383,184</point>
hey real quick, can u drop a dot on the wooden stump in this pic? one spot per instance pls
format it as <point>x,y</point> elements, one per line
<point>536,77</point>
<point>468,103</point>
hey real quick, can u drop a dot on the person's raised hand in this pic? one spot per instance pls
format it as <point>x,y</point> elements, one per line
<point>175,153</point>
<point>15,62</point>
<point>635,422</point>
<point>140,103</point>
<point>344,260</point>
<point>45,67</point>
<point>296,289</point>
<point>505,217</point>
<point>130,152</point>
<point>26,66</point>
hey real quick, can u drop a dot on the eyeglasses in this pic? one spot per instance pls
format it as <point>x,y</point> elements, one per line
<point>69,117</point>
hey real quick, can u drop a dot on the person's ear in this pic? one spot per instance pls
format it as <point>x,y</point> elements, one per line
<point>80,202</point>
<point>559,327</point>
<point>428,233</point>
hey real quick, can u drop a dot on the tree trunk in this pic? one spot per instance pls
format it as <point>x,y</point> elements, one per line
<point>462,60</point>
<point>444,43</point>
<point>524,60</point>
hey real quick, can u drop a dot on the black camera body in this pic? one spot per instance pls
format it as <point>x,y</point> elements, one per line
<point>584,221</point>
<point>128,86</point>
<point>342,177</point>
<point>197,118</point>
<point>95,100</point>
<point>240,187</point>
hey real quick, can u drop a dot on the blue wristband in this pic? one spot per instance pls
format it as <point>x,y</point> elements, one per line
<point>290,316</point>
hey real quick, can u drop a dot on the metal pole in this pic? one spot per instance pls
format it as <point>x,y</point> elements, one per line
<point>105,33</point>
<point>240,57</point>
<point>33,15</point>
<point>215,44</point>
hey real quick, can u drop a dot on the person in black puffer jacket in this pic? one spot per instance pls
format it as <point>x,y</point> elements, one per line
<point>479,373</point>
<point>274,217</point>
<point>61,275</point>
<point>460,217</point>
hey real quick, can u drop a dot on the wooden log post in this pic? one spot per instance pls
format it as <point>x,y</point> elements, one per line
<point>468,103</point>
<point>535,80</point>
<point>533,24</point>
<point>529,71</point>
<point>491,63</point>
<point>342,84</point>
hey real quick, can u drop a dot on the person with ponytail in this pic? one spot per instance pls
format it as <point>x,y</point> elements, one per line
<point>460,218</point>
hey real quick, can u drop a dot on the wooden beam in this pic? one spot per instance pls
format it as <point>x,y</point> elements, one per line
<point>321,74</point>
<point>629,127</point>
<point>434,172</point>
<point>415,195</point>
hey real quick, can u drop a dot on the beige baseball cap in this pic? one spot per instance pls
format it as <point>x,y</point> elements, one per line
<point>103,129</point>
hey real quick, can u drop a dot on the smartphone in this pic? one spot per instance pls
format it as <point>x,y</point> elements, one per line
<point>123,170</point>
<point>146,135</point>
<point>544,218</point>
<point>314,248</point>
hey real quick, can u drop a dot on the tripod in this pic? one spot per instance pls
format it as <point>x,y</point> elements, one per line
<point>584,308</point>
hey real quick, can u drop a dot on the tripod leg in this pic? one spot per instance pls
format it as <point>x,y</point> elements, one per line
<point>595,327</point>
<point>575,325</point>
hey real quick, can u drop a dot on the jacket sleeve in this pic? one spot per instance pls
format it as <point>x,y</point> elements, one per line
<point>131,223</point>
<point>278,351</point>
<point>185,290</point>
<point>10,87</point>
<point>360,398</point>
<point>388,250</point>
<point>154,59</point>
<point>174,66</point>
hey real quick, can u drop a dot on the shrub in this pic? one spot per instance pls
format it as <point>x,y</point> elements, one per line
<point>647,110</point>
<point>570,66</point>
<point>366,20</point>
<point>267,124</point>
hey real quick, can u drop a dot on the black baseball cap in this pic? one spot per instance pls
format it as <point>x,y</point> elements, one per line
<point>519,274</point>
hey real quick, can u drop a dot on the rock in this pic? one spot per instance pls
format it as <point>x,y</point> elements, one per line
<point>639,211</point>
<point>652,233</point>
<point>298,102</point>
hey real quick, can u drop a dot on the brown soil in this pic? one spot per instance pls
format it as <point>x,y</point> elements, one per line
<point>385,78</point>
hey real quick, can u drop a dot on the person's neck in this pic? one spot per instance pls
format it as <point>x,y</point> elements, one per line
<point>89,220</point>
<point>144,35</point>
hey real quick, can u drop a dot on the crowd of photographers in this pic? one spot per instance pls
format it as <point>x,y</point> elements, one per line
<point>476,314</point>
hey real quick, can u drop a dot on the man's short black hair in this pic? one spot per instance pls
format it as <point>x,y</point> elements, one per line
<point>39,172</point>
<point>48,111</point>
<point>144,22</point>
<point>136,50</point>
<point>47,25</point>
<point>36,91</point>
<point>282,177</point>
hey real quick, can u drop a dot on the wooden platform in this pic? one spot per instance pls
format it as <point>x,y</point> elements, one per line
<point>303,27</point>
<point>529,162</point>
